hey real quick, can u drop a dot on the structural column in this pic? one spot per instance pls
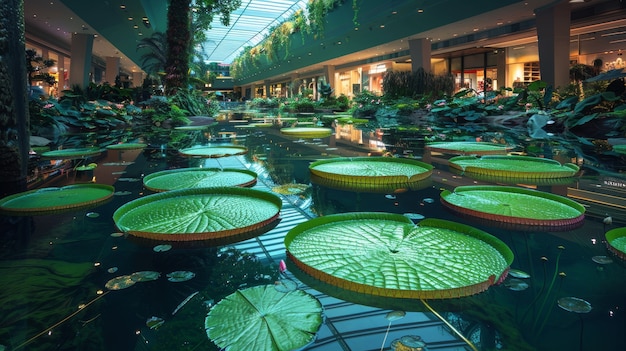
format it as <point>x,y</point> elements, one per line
<point>329,74</point>
<point>137,79</point>
<point>80,66</point>
<point>112,69</point>
<point>553,34</point>
<point>419,49</point>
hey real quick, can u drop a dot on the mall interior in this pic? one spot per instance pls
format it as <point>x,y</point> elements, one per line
<point>501,42</point>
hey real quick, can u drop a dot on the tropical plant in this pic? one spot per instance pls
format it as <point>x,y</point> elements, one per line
<point>36,68</point>
<point>416,84</point>
<point>153,61</point>
<point>179,39</point>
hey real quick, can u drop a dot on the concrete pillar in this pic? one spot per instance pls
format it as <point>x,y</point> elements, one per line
<point>553,34</point>
<point>420,54</point>
<point>137,79</point>
<point>112,69</point>
<point>266,85</point>
<point>501,66</point>
<point>80,66</point>
<point>329,75</point>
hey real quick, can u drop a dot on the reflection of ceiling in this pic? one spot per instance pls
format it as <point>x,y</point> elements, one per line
<point>119,29</point>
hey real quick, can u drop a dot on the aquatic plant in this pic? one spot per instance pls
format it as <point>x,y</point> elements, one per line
<point>391,316</point>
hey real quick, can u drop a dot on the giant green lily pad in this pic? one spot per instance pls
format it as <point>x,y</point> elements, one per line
<point>370,174</point>
<point>307,132</point>
<point>74,153</point>
<point>54,200</point>
<point>386,254</point>
<point>515,205</point>
<point>616,242</point>
<point>185,178</point>
<point>127,146</point>
<point>207,214</point>
<point>263,318</point>
<point>524,167</point>
<point>213,151</point>
<point>468,148</point>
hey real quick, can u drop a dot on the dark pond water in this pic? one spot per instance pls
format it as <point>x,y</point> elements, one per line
<point>54,267</point>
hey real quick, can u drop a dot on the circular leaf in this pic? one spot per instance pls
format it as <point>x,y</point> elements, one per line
<point>262,318</point>
<point>52,200</point>
<point>468,148</point>
<point>519,167</point>
<point>72,153</point>
<point>514,205</point>
<point>213,151</point>
<point>376,174</point>
<point>187,178</point>
<point>307,132</point>
<point>386,254</point>
<point>198,214</point>
<point>126,146</point>
<point>616,242</point>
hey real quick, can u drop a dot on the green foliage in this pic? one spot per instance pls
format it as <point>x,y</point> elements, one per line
<point>417,84</point>
<point>36,68</point>
<point>195,103</point>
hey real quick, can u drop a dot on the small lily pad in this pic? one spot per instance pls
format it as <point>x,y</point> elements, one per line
<point>574,304</point>
<point>145,276</point>
<point>180,276</point>
<point>162,248</point>
<point>119,283</point>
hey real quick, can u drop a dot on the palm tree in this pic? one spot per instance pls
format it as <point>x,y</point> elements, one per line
<point>178,34</point>
<point>153,61</point>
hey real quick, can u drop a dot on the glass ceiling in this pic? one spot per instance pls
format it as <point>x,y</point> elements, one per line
<point>249,25</point>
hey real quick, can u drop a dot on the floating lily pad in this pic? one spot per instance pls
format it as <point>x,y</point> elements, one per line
<point>574,304</point>
<point>199,214</point>
<point>519,167</point>
<point>515,205</point>
<point>154,322</point>
<point>291,189</point>
<point>145,276</point>
<point>180,276</point>
<point>162,248</point>
<point>127,146</point>
<point>87,167</point>
<point>262,318</point>
<point>601,259</point>
<point>616,242</point>
<point>387,255</point>
<point>307,132</point>
<point>468,148</point>
<point>371,174</point>
<point>119,283</point>
<point>72,153</point>
<point>516,273</point>
<point>516,284</point>
<point>213,151</point>
<point>53,200</point>
<point>187,178</point>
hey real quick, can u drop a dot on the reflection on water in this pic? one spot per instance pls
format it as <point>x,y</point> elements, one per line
<point>54,268</point>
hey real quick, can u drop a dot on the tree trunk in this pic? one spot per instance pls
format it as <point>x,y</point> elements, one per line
<point>14,118</point>
<point>178,46</point>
